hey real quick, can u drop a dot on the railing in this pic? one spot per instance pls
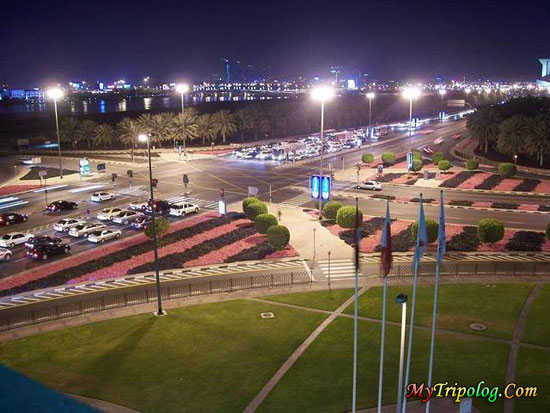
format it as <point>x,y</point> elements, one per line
<point>20,316</point>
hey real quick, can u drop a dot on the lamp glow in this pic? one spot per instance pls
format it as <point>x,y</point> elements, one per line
<point>322,93</point>
<point>467,90</point>
<point>442,92</point>
<point>411,93</point>
<point>370,95</point>
<point>54,93</point>
<point>182,88</point>
<point>142,137</point>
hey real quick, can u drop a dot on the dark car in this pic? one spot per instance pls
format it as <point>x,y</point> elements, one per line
<point>141,222</point>
<point>42,252</point>
<point>161,207</point>
<point>11,218</point>
<point>38,241</point>
<point>62,206</point>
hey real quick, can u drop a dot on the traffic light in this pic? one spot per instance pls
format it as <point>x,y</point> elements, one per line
<point>113,177</point>
<point>154,182</point>
<point>130,173</point>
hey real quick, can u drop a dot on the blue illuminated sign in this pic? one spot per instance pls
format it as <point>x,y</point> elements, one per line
<point>319,187</point>
<point>325,188</point>
<point>314,186</point>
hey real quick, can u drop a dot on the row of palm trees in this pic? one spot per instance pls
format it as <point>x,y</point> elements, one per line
<point>517,134</point>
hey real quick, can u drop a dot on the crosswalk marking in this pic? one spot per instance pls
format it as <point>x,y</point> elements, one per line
<point>200,202</point>
<point>338,268</point>
<point>297,201</point>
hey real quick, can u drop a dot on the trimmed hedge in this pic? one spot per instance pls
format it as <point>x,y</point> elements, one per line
<point>390,177</point>
<point>367,157</point>
<point>466,241</point>
<point>278,236</point>
<point>490,230</point>
<point>330,209</point>
<point>461,202</point>
<point>345,217</point>
<point>457,179</point>
<point>417,165</point>
<point>432,229</point>
<point>258,252</point>
<point>400,242</point>
<point>438,157</point>
<point>386,197</point>
<point>417,156</point>
<point>472,164</point>
<point>527,185</point>
<point>254,209</point>
<point>161,228</point>
<point>388,158</point>
<point>424,200</point>
<point>503,205</point>
<point>264,221</point>
<point>249,201</point>
<point>444,165</point>
<point>526,241</point>
<point>507,170</point>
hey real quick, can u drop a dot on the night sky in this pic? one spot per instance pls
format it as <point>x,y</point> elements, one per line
<point>48,40</point>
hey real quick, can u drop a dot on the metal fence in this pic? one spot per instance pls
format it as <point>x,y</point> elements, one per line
<point>39,312</point>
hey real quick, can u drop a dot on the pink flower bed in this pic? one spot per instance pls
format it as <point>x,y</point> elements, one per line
<point>475,180</point>
<point>370,243</point>
<point>13,189</point>
<point>285,253</point>
<point>404,179</point>
<point>507,185</point>
<point>543,187</point>
<point>482,204</point>
<point>448,175</point>
<point>528,207</point>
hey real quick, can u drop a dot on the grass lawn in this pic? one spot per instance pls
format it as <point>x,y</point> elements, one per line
<point>537,328</point>
<point>533,370</point>
<point>323,300</point>
<point>320,381</point>
<point>495,305</point>
<point>211,357</point>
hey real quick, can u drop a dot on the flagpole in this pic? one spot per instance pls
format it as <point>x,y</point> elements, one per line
<point>382,339</point>
<point>411,323</point>
<point>354,391</point>
<point>440,251</point>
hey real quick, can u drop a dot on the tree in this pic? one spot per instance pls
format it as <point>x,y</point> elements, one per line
<point>184,126</point>
<point>438,156</point>
<point>538,137</point>
<point>68,130</point>
<point>145,123</point>
<point>104,135</point>
<point>416,165</point>
<point>472,164</point>
<point>483,124</point>
<point>345,217</point>
<point>432,229</point>
<point>512,134</point>
<point>224,123</point>
<point>330,209</point>
<point>245,121</point>
<point>490,230</point>
<point>161,228</point>
<point>86,131</point>
<point>278,236</point>
<point>367,157</point>
<point>388,158</point>
<point>160,127</point>
<point>265,221</point>
<point>444,165</point>
<point>507,170</point>
<point>128,131</point>
<point>247,202</point>
<point>205,128</point>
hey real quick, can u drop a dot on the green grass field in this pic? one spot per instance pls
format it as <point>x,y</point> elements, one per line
<point>322,300</point>
<point>533,371</point>
<point>495,305</point>
<point>537,328</point>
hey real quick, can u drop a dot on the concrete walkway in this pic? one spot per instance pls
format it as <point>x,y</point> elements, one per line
<point>103,406</point>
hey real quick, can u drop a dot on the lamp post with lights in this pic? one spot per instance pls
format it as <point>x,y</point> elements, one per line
<point>411,94</point>
<point>55,94</point>
<point>442,93</point>
<point>322,94</point>
<point>183,88</point>
<point>370,97</point>
<point>145,138</point>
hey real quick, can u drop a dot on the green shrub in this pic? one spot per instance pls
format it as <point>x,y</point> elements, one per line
<point>265,221</point>
<point>417,156</point>
<point>278,236</point>
<point>254,209</point>
<point>472,164</point>
<point>161,228</point>
<point>417,165</point>
<point>345,217</point>
<point>432,229</point>
<point>507,170</point>
<point>367,157</point>
<point>388,158</point>
<point>490,230</point>
<point>438,157</point>
<point>444,165</point>
<point>548,231</point>
<point>249,201</point>
<point>330,209</point>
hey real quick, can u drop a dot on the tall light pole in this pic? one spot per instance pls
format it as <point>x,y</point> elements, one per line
<point>411,94</point>
<point>370,97</point>
<point>442,93</point>
<point>55,94</point>
<point>183,88</point>
<point>145,138</point>
<point>401,299</point>
<point>322,94</point>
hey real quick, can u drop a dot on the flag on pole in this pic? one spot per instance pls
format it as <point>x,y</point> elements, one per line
<point>421,236</point>
<point>441,237</point>
<point>357,233</point>
<point>385,243</point>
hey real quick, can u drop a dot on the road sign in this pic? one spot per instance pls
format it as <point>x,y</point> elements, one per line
<point>130,173</point>
<point>185,179</point>
<point>314,186</point>
<point>319,187</point>
<point>222,207</point>
<point>252,191</point>
<point>325,188</point>
<point>101,167</point>
<point>42,173</point>
<point>409,160</point>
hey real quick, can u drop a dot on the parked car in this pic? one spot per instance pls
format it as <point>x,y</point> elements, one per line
<point>141,222</point>
<point>85,229</point>
<point>5,254</point>
<point>101,196</point>
<point>42,252</point>
<point>66,224</point>
<point>107,214</point>
<point>125,217</point>
<point>11,218</point>
<point>138,205</point>
<point>38,241</point>
<point>370,185</point>
<point>14,238</point>
<point>104,235</point>
<point>456,136</point>
<point>428,150</point>
<point>183,208</point>
<point>161,207</point>
<point>62,206</point>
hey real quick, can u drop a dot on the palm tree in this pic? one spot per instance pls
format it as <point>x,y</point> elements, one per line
<point>538,136</point>
<point>160,127</point>
<point>128,131</point>
<point>512,134</point>
<point>184,126</point>
<point>483,124</point>
<point>245,120</point>
<point>205,128</point>
<point>68,128</point>
<point>145,123</point>
<point>86,131</point>
<point>104,135</point>
<point>224,122</point>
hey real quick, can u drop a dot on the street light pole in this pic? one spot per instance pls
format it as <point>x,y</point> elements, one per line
<point>182,88</point>
<point>401,299</point>
<point>154,229</point>
<point>410,122</point>
<point>329,270</point>
<point>55,94</point>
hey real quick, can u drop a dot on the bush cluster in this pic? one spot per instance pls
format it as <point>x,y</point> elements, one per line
<point>416,165</point>
<point>444,165</point>
<point>367,157</point>
<point>264,221</point>
<point>330,209</point>
<point>472,164</point>
<point>507,170</point>
<point>278,236</point>
<point>345,217</point>
<point>161,228</point>
<point>432,228</point>
<point>490,230</point>
<point>388,158</point>
<point>438,157</point>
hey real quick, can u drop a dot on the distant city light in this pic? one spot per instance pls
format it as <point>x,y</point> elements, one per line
<point>370,95</point>
<point>182,88</point>
<point>54,93</point>
<point>411,93</point>
<point>442,92</point>
<point>467,90</point>
<point>322,93</point>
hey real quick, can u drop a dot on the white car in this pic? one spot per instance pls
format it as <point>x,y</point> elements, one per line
<point>370,185</point>
<point>125,217</point>
<point>138,205</point>
<point>104,235</point>
<point>438,140</point>
<point>180,209</point>
<point>14,238</point>
<point>5,254</point>
<point>101,196</point>
<point>107,214</point>
<point>85,229</point>
<point>66,224</point>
